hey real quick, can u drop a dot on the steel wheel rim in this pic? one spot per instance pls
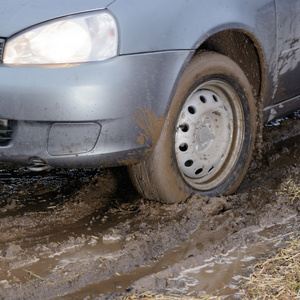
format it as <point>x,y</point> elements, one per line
<point>209,134</point>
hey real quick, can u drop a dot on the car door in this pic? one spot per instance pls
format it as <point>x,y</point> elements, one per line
<point>288,49</point>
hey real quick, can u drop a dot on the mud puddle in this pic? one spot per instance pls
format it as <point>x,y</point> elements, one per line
<point>221,275</point>
<point>70,234</point>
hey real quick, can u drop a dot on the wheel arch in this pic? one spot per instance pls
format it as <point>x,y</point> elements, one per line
<point>245,50</point>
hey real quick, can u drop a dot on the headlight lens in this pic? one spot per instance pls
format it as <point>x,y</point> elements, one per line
<point>79,38</point>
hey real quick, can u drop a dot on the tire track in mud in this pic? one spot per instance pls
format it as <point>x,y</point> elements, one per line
<point>104,239</point>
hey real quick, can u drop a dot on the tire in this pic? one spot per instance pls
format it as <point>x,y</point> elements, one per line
<point>207,140</point>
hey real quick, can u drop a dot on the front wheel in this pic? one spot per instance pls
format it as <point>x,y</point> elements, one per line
<point>206,144</point>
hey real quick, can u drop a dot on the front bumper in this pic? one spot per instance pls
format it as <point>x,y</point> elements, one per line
<point>88,115</point>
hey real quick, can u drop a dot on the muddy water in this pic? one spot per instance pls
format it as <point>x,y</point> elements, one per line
<point>198,241</point>
<point>84,234</point>
<point>221,275</point>
<point>218,276</point>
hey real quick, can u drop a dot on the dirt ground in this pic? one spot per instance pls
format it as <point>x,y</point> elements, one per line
<point>86,234</point>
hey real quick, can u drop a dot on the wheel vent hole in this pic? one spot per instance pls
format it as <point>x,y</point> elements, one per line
<point>183,147</point>
<point>184,127</point>
<point>188,163</point>
<point>203,99</point>
<point>192,110</point>
<point>199,171</point>
<point>215,98</point>
<point>210,169</point>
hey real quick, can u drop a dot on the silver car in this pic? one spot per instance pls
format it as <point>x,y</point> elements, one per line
<point>175,90</point>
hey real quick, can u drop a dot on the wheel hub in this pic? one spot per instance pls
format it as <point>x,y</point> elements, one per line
<point>204,134</point>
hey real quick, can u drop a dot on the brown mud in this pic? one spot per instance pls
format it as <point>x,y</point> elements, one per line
<point>86,234</point>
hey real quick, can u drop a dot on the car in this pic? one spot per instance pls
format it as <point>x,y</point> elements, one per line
<point>174,90</point>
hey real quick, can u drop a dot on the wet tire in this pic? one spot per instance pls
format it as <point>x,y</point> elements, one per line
<point>207,141</point>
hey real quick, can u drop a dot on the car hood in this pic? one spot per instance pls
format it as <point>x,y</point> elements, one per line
<point>16,15</point>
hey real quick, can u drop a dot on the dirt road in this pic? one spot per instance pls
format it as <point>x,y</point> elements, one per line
<point>70,234</point>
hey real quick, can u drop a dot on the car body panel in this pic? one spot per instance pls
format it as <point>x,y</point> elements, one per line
<point>185,24</point>
<point>288,50</point>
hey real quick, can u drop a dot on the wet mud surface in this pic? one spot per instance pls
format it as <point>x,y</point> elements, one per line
<point>86,234</point>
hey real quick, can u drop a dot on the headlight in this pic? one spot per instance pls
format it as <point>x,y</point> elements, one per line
<point>79,38</point>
